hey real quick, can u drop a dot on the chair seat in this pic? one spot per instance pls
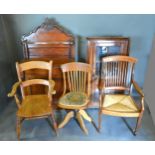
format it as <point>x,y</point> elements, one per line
<point>120,104</point>
<point>73,100</point>
<point>35,106</point>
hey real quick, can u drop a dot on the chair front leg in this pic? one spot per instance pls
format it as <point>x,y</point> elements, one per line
<point>138,124</point>
<point>101,102</point>
<point>67,118</point>
<point>54,123</point>
<point>18,127</point>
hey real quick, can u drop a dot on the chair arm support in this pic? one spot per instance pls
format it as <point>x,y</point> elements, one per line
<point>138,89</point>
<point>52,84</point>
<point>14,89</point>
<point>13,93</point>
<point>101,85</point>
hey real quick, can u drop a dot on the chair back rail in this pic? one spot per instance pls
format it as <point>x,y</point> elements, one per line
<point>34,82</point>
<point>34,65</point>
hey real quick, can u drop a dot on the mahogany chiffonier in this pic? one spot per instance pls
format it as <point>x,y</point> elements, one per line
<point>49,41</point>
<point>98,47</point>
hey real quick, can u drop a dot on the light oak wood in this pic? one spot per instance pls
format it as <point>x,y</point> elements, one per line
<point>77,78</point>
<point>33,106</point>
<point>66,119</point>
<point>85,115</point>
<point>117,74</point>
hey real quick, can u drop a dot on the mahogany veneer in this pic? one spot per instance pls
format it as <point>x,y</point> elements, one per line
<point>49,41</point>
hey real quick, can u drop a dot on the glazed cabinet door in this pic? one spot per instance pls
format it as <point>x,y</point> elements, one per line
<point>97,48</point>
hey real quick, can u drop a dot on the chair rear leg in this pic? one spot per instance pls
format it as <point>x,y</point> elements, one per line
<point>54,123</point>
<point>18,127</point>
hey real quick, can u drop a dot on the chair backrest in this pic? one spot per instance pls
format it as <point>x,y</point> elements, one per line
<point>77,77</point>
<point>23,67</point>
<point>117,72</point>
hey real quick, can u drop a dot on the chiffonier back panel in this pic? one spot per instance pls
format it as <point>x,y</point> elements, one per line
<point>49,41</point>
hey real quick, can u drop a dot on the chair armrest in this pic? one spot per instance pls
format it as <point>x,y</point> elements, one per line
<point>14,89</point>
<point>52,84</point>
<point>13,93</point>
<point>138,89</point>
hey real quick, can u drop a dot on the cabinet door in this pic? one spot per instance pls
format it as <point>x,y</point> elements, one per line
<point>99,47</point>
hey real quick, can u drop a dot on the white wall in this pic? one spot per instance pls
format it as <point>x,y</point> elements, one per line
<point>149,85</point>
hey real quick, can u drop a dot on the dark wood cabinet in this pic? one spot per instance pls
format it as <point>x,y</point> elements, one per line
<point>98,47</point>
<point>49,41</point>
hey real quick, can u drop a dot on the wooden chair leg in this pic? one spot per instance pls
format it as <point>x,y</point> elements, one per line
<point>85,115</point>
<point>99,119</point>
<point>67,118</point>
<point>81,122</point>
<point>18,127</point>
<point>138,124</point>
<point>54,123</point>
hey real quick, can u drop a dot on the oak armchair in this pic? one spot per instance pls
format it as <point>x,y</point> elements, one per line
<point>115,84</point>
<point>37,105</point>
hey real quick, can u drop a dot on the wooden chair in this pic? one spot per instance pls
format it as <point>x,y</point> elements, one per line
<point>115,89</point>
<point>75,98</point>
<point>36,105</point>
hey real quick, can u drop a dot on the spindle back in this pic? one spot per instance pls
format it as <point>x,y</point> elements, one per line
<point>117,72</point>
<point>77,77</point>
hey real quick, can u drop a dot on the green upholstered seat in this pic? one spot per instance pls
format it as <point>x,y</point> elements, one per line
<point>73,99</point>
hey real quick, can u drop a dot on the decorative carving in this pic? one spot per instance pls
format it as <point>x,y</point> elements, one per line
<point>48,25</point>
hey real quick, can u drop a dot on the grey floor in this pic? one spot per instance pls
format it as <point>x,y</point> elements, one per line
<point>113,128</point>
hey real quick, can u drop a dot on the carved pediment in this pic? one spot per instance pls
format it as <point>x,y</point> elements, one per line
<point>50,30</point>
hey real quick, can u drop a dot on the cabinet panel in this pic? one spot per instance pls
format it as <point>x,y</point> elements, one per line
<point>49,41</point>
<point>98,47</point>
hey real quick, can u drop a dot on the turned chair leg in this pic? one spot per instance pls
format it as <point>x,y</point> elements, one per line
<point>138,124</point>
<point>18,127</point>
<point>67,118</point>
<point>85,115</point>
<point>99,120</point>
<point>54,123</point>
<point>81,122</point>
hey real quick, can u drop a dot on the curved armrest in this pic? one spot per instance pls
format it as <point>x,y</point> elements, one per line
<point>14,89</point>
<point>13,93</point>
<point>52,84</point>
<point>138,89</point>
